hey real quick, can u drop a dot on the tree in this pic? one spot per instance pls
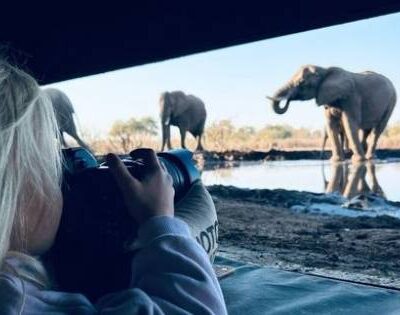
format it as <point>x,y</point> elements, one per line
<point>393,130</point>
<point>220,133</point>
<point>131,133</point>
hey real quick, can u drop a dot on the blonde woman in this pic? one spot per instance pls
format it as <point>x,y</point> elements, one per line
<point>171,272</point>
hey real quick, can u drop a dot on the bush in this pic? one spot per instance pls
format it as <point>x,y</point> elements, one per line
<point>133,133</point>
<point>394,130</point>
<point>275,132</point>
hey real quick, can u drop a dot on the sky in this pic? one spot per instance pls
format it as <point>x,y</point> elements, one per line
<point>234,81</point>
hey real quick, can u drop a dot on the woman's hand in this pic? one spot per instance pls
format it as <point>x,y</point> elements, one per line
<point>153,194</point>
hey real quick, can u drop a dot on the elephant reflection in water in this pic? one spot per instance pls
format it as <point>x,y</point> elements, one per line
<point>353,182</point>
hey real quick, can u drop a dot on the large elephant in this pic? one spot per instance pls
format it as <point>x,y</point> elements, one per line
<point>187,112</point>
<point>360,102</point>
<point>64,113</point>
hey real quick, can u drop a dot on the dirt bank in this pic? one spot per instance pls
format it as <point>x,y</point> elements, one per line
<point>260,226</point>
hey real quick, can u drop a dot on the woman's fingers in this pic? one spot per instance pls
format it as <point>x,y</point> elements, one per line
<point>121,174</point>
<point>148,156</point>
<point>153,194</point>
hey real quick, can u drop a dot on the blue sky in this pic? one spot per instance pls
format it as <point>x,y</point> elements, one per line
<point>233,82</point>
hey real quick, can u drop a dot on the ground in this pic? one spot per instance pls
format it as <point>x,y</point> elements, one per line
<point>259,226</point>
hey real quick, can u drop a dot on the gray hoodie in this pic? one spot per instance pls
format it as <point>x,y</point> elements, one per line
<point>171,274</point>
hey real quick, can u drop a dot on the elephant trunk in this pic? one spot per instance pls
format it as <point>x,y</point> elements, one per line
<point>281,94</point>
<point>278,109</point>
<point>165,117</point>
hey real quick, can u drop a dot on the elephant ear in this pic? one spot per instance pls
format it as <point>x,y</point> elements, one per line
<point>169,102</point>
<point>336,85</point>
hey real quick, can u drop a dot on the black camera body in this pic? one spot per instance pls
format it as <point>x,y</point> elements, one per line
<point>90,252</point>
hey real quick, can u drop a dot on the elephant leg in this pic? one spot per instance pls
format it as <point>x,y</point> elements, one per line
<point>357,175</point>
<point>166,136</point>
<point>324,138</point>
<point>183,137</point>
<point>375,133</point>
<point>363,187</point>
<point>346,174</point>
<point>163,141</point>
<point>351,129</point>
<point>333,134</point>
<point>343,140</point>
<point>363,139</point>
<point>199,145</point>
<point>169,146</point>
<point>375,187</point>
<point>336,182</point>
<point>364,136</point>
<point>372,141</point>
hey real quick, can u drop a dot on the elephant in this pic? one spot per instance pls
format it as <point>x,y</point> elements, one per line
<point>187,112</point>
<point>360,102</point>
<point>64,114</point>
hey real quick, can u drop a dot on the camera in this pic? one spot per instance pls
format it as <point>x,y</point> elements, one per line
<point>90,252</point>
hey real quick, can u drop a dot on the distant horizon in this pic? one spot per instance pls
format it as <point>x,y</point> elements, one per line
<point>234,81</point>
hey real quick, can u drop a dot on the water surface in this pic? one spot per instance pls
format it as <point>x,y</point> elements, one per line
<point>381,177</point>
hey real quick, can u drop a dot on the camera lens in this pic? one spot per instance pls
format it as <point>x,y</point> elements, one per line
<point>178,163</point>
<point>180,166</point>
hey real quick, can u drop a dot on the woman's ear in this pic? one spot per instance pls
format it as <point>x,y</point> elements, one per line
<point>335,86</point>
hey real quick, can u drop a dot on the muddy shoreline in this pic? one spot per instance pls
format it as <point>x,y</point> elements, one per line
<point>260,226</point>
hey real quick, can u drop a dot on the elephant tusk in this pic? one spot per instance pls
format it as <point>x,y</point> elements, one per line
<point>273,99</point>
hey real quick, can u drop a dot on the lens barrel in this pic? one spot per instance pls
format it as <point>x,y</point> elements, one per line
<point>178,163</point>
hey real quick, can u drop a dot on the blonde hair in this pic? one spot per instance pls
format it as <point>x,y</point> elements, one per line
<point>30,152</point>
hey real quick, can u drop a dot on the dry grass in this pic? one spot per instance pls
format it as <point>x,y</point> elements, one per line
<point>105,145</point>
<point>222,136</point>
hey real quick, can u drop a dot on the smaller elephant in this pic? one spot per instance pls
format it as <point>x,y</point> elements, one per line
<point>344,142</point>
<point>64,113</point>
<point>187,112</point>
